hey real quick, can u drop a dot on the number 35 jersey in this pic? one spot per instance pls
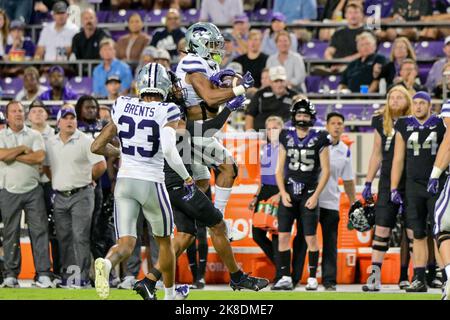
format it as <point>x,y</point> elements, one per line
<point>138,127</point>
<point>303,155</point>
<point>422,143</point>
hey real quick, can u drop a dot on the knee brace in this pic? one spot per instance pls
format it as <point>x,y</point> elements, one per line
<point>384,246</point>
<point>441,237</point>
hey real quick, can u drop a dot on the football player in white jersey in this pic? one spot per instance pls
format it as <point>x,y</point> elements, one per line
<point>442,208</point>
<point>146,129</point>
<point>200,74</point>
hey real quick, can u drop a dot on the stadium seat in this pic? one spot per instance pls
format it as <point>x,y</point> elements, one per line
<point>155,16</point>
<point>102,16</point>
<point>190,16</point>
<point>80,85</point>
<point>424,69</point>
<point>122,16</point>
<point>11,86</point>
<point>314,49</point>
<point>429,49</point>
<point>385,49</point>
<point>312,83</point>
<point>329,83</point>
<point>261,15</point>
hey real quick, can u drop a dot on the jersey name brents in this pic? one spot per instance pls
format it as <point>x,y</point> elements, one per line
<point>138,127</point>
<point>193,64</point>
<point>422,143</point>
<point>303,155</point>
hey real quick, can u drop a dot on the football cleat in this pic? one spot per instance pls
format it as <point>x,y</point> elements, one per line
<point>417,286</point>
<point>181,292</point>
<point>372,287</point>
<point>127,283</point>
<point>10,282</point>
<point>250,283</point>
<point>329,287</point>
<point>435,283</point>
<point>285,283</point>
<point>312,284</point>
<point>45,282</point>
<point>101,278</point>
<point>403,284</point>
<point>199,284</point>
<point>146,289</point>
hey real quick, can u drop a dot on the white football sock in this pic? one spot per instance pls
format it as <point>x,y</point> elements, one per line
<point>169,293</point>
<point>447,271</point>
<point>221,198</point>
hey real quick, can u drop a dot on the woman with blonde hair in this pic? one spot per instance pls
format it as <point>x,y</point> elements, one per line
<point>398,104</point>
<point>400,51</point>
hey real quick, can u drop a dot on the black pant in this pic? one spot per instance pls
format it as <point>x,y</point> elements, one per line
<point>329,220</point>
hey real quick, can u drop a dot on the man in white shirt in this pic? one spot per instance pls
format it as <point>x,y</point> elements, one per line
<point>220,11</point>
<point>55,41</point>
<point>340,167</point>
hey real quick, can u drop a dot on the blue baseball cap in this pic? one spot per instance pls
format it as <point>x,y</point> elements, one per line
<point>422,95</point>
<point>64,112</point>
<point>56,69</point>
<point>278,16</point>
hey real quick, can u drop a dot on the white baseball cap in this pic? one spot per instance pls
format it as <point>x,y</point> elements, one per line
<point>277,73</point>
<point>447,41</point>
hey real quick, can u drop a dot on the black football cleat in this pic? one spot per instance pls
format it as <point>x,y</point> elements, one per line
<point>250,283</point>
<point>417,286</point>
<point>146,289</point>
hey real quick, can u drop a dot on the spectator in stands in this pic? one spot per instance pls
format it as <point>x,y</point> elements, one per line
<point>163,57</point>
<point>113,87</point>
<point>21,48</point>
<point>406,10</point>
<point>58,90</point>
<point>38,115</point>
<point>435,74</point>
<point>23,150</point>
<point>275,100</point>
<point>18,10</point>
<point>340,167</point>
<point>445,79</point>
<point>240,33</point>
<point>401,50</point>
<point>110,66</point>
<point>55,41</point>
<point>85,44</point>
<point>181,48</point>
<point>2,126</point>
<point>408,77</point>
<point>220,11</point>
<point>278,23</point>
<point>104,114</point>
<point>31,86</point>
<point>230,52</point>
<point>343,41</point>
<point>73,168</point>
<point>366,69</point>
<point>129,47</point>
<point>268,187</point>
<point>4,31</point>
<point>254,60</point>
<point>292,61</point>
<point>265,79</point>
<point>168,37</point>
<point>296,11</point>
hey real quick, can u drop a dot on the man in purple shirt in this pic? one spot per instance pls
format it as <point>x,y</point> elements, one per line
<point>58,90</point>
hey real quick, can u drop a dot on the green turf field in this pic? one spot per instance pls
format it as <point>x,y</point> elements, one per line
<point>65,294</point>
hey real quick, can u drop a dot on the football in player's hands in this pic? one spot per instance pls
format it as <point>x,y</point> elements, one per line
<point>231,81</point>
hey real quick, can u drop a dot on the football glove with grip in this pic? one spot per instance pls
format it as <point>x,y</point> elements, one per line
<point>433,186</point>
<point>216,78</point>
<point>367,192</point>
<point>236,103</point>
<point>396,197</point>
<point>190,190</point>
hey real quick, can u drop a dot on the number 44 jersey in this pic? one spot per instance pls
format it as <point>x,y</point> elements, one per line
<point>422,143</point>
<point>138,126</point>
<point>303,155</point>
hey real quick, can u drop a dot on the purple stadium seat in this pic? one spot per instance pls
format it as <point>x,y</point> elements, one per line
<point>155,16</point>
<point>429,49</point>
<point>352,112</point>
<point>123,15</point>
<point>102,16</point>
<point>11,86</point>
<point>80,85</point>
<point>385,49</point>
<point>116,34</point>
<point>261,15</point>
<point>329,83</point>
<point>322,111</point>
<point>424,69</point>
<point>314,49</point>
<point>312,83</point>
<point>190,16</point>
